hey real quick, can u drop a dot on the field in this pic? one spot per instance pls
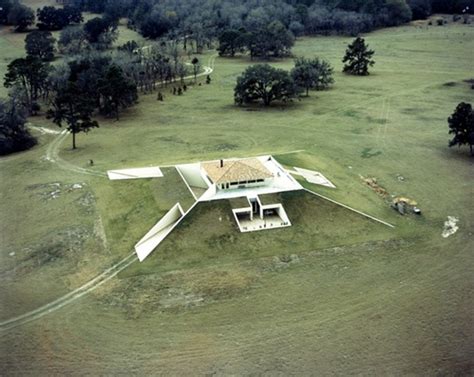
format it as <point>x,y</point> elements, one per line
<point>335,294</point>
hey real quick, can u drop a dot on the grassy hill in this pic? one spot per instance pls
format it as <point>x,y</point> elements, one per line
<point>333,294</point>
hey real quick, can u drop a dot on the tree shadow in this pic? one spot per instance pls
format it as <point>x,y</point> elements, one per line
<point>457,153</point>
<point>276,106</point>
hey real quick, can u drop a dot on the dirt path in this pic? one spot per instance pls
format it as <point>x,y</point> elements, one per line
<point>52,155</point>
<point>70,297</point>
<point>52,152</point>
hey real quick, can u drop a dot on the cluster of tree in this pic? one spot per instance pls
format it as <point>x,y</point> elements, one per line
<point>461,124</point>
<point>96,77</point>
<point>262,82</point>
<point>75,90</point>
<point>89,82</point>
<point>272,40</point>
<point>14,136</point>
<point>109,82</point>
<point>452,6</point>
<point>98,33</point>
<point>201,21</point>
<point>27,77</point>
<point>79,88</point>
<point>12,12</point>
<point>51,18</point>
<point>154,65</point>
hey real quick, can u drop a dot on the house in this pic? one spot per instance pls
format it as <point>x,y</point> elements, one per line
<point>251,186</point>
<point>237,174</point>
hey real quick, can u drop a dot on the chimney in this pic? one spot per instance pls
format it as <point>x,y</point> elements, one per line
<point>222,163</point>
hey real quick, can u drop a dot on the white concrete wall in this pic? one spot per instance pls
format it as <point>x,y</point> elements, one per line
<point>148,172</point>
<point>192,174</point>
<point>158,233</point>
<point>280,210</point>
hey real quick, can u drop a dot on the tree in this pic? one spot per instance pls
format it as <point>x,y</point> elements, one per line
<point>72,40</point>
<point>154,24</point>
<point>14,136</point>
<point>5,6</point>
<point>274,40</point>
<point>51,18</point>
<point>40,44</point>
<point>30,73</point>
<point>73,107</point>
<point>420,9</point>
<point>72,14</point>
<point>100,31</point>
<point>461,124</point>
<point>358,58</point>
<point>129,47</point>
<point>230,41</point>
<point>312,74</point>
<point>20,16</point>
<point>398,12</point>
<point>196,66</point>
<point>116,91</point>
<point>87,72</point>
<point>265,83</point>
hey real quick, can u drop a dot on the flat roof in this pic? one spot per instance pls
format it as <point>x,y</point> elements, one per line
<point>247,169</point>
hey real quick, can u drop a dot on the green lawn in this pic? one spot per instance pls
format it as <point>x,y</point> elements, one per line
<point>334,294</point>
<point>209,235</point>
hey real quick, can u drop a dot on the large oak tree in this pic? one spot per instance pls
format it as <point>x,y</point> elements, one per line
<point>262,82</point>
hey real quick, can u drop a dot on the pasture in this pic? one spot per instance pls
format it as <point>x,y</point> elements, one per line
<point>333,294</point>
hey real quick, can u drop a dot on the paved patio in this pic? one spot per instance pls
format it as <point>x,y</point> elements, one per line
<point>268,222</point>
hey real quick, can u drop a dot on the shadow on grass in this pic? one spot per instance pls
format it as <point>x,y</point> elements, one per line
<point>457,153</point>
<point>277,106</point>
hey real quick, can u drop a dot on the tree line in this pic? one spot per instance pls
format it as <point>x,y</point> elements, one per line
<point>201,21</point>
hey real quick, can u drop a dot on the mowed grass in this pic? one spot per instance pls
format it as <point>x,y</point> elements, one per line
<point>355,297</point>
<point>209,235</point>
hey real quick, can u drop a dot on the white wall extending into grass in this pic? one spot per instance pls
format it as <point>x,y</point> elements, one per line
<point>158,233</point>
<point>148,172</point>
